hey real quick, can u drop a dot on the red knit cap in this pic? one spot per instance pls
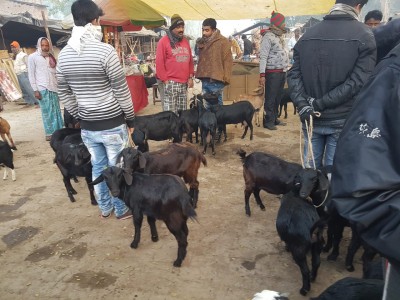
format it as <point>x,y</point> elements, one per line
<point>277,20</point>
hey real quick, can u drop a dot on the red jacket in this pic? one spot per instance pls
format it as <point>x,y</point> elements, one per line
<point>174,64</point>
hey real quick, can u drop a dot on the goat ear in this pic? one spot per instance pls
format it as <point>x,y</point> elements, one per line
<point>323,181</point>
<point>142,161</point>
<point>128,177</point>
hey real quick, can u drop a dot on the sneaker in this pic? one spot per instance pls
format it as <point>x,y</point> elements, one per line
<point>126,215</point>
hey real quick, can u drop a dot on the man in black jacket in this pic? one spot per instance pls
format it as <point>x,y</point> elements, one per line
<point>332,61</point>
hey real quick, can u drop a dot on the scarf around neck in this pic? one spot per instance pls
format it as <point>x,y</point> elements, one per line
<point>80,34</point>
<point>341,8</point>
<point>204,40</point>
<point>52,59</point>
<point>173,39</point>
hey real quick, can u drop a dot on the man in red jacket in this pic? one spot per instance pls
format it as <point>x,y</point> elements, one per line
<point>174,65</point>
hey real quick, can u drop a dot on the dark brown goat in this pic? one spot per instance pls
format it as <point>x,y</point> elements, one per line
<point>262,171</point>
<point>181,159</point>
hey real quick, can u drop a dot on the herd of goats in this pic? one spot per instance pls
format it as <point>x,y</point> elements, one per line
<point>143,180</point>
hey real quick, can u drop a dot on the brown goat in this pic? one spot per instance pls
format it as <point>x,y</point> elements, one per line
<point>5,130</point>
<point>181,159</point>
<point>256,98</point>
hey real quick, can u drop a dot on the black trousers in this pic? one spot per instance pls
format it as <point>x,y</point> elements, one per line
<point>274,83</point>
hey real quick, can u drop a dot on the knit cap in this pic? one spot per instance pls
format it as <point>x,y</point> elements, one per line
<point>278,20</point>
<point>176,20</point>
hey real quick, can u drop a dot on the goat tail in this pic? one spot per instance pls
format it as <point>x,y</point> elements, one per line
<point>241,153</point>
<point>187,208</point>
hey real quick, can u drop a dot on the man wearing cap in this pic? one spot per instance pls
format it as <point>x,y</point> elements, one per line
<point>273,63</point>
<point>21,70</point>
<point>215,59</point>
<point>332,61</point>
<point>174,65</point>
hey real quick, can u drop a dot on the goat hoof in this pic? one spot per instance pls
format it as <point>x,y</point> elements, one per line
<point>72,199</point>
<point>303,291</point>
<point>262,208</point>
<point>350,268</point>
<point>134,245</point>
<point>93,202</point>
<point>178,263</point>
<point>332,257</point>
<point>214,153</point>
<point>248,213</point>
<point>154,238</point>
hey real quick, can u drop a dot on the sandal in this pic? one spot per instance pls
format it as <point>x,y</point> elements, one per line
<point>105,216</point>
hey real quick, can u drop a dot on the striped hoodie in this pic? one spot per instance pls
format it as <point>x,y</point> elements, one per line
<point>93,88</point>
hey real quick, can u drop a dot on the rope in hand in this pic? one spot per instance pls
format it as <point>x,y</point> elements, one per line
<point>309,132</point>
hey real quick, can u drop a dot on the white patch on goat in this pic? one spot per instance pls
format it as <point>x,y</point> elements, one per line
<point>5,173</point>
<point>267,295</point>
<point>13,176</point>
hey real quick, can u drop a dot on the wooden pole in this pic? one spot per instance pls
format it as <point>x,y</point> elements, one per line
<point>46,28</point>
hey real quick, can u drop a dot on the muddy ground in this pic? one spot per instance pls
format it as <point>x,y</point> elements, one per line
<point>51,248</point>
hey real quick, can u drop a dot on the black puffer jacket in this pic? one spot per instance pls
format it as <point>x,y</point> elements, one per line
<point>366,171</point>
<point>332,61</point>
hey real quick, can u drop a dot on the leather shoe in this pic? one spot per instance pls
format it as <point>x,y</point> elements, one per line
<point>270,127</point>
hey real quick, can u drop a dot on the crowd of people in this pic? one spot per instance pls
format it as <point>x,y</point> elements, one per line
<point>334,80</point>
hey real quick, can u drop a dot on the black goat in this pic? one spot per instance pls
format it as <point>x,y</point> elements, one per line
<point>353,289</point>
<point>160,197</point>
<point>70,121</point>
<point>6,159</point>
<point>262,171</point>
<point>239,112</point>
<point>157,127</point>
<point>285,99</point>
<point>181,159</point>
<point>73,160</point>
<point>295,224</point>
<point>189,123</point>
<point>208,130</point>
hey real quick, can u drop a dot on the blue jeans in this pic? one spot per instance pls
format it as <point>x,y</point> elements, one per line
<point>213,87</point>
<point>324,140</point>
<point>104,147</point>
<point>246,57</point>
<point>27,92</point>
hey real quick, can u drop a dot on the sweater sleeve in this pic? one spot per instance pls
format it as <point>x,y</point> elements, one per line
<point>119,86</point>
<point>160,61</point>
<point>65,94</point>
<point>31,73</point>
<point>264,52</point>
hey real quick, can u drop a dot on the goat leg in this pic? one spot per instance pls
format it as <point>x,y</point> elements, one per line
<point>301,260</point>
<point>354,245</point>
<point>195,197</point>
<point>5,173</point>
<point>12,145</point>
<point>153,229</point>
<point>258,198</point>
<point>247,194</point>
<point>69,188</point>
<point>181,238</point>
<point>316,248</point>
<point>245,131</point>
<point>196,134</point>
<point>337,237</point>
<point>91,190</point>
<point>137,223</point>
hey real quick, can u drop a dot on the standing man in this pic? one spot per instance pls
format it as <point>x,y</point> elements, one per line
<point>292,42</point>
<point>215,59</point>
<point>42,76</point>
<point>273,64</point>
<point>247,48</point>
<point>21,70</point>
<point>332,61</point>
<point>174,63</point>
<point>93,88</point>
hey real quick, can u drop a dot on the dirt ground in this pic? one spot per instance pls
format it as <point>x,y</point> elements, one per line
<point>53,249</point>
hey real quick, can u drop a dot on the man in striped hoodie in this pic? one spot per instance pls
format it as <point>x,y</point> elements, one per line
<point>93,88</point>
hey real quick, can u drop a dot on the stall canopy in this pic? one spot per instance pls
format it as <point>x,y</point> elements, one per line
<point>238,9</point>
<point>127,12</point>
<point>131,15</point>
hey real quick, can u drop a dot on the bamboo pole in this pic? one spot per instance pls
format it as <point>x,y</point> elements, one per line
<point>46,28</point>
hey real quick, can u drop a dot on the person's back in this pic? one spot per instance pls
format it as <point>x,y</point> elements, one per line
<point>87,75</point>
<point>247,46</point>
<point>328,53</point>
